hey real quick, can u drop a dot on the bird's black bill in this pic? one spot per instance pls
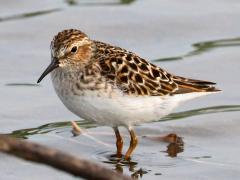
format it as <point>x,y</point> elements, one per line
<point>54,64</point>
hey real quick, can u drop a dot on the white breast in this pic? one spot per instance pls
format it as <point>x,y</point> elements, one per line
<point>116,109</point>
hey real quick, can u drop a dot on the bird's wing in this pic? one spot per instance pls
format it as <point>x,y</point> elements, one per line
<point>186,85</point>
<point>134,75</point>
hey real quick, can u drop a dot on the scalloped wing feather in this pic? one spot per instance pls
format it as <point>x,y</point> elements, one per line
<point>134,75</point>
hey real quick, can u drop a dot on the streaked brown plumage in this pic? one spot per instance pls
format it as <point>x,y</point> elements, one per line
<point>113,86</point>
<point>135,75</point>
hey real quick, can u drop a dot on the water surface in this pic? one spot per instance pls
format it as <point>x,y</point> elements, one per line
<point>199,40</point>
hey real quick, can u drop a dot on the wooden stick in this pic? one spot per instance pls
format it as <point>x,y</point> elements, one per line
<point>57,159</point>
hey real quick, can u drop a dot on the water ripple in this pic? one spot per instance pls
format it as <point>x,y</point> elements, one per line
<point>28,15</point>
<point>203,47</point>
<point>202,111</point>
<point>25,133</point>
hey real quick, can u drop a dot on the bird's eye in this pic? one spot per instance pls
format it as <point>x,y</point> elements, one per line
<point>74,49</point>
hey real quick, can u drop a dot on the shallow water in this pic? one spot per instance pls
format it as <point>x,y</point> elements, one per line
<point>199,40</point>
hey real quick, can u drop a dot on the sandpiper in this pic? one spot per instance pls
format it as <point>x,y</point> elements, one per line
<point>113,86</point>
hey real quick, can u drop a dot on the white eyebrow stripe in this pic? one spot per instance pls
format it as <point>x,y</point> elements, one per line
<point>60,52</point>
<point>84,41</point>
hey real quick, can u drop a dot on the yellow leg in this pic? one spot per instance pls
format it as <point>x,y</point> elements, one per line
<point>119,142</point>
<point>133,143</point>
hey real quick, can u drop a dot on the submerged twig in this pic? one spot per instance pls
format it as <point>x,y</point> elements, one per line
<point>170,138</point>
<point>57,159</point>
<point>76,130</point>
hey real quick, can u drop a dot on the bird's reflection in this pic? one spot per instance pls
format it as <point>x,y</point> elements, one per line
<point>120,163</point>
<point>175,145</point>
<point>139,173</point>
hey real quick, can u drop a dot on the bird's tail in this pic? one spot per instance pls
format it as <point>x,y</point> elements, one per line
<point>193,85</point>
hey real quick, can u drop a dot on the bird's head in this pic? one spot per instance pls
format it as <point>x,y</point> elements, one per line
<point>69,48</point>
